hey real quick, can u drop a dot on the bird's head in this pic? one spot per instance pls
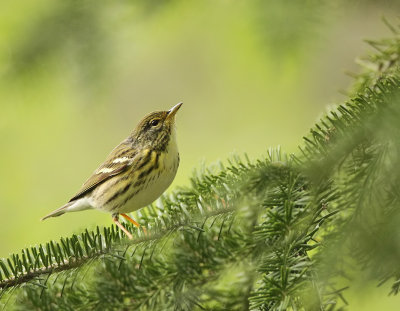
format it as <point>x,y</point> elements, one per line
<point>156,129</point>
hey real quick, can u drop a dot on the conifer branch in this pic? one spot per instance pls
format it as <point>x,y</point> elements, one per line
<point>78,255</point>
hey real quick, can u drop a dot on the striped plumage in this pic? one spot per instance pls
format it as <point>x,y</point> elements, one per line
<point>147,169</point>
<point>135,173</point>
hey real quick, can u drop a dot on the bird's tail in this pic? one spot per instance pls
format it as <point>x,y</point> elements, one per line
<point>59,211</point>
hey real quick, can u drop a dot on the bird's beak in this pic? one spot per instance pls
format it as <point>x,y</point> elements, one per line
<point>173,110</point>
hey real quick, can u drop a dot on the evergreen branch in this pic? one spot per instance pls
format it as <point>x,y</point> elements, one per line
<point>52,257</point>
<point>347,127</point>
<point>382,64</point>
<point>75,251</point>
<point>361,157</point>
<point>79,249</point>
<point>212,226</point>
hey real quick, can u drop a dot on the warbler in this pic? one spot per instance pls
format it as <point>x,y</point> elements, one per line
<point>135,173</point>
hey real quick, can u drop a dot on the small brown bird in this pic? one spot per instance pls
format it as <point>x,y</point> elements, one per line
<point>135,173</point>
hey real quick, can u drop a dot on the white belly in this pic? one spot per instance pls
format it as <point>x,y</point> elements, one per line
<point>155,185</point>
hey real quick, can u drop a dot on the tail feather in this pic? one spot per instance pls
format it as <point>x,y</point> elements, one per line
<point>59,211</point>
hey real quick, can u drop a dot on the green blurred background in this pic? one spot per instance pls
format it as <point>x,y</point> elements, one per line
<point>76,77</point>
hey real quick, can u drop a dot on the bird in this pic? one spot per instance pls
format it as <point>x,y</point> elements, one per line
<point>134,174</point>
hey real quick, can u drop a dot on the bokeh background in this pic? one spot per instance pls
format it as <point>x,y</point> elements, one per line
<point>76,77</point>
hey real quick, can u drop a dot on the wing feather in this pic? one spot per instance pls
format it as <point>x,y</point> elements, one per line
<point>120,158</point>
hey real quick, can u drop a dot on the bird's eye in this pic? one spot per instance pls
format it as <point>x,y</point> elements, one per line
<point>154,122</point>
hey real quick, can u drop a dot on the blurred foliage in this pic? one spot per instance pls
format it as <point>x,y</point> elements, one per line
<point>359,154</point>
<point>383,64</point>
<point>70,27</point>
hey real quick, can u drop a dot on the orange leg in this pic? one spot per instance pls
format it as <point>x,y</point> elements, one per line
<point>115,219</point>
<point>130,220</point>
<point>134,222</point>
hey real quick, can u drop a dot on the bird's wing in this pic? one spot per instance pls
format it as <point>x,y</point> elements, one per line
<point>117,162</point>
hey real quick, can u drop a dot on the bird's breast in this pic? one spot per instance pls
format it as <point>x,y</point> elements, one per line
<point>155,183</point>
<point>142,187</point>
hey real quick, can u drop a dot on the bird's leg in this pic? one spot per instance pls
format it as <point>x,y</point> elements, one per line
<point>134,222</point>
<point>115,220</point>
<point>130,220</point>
